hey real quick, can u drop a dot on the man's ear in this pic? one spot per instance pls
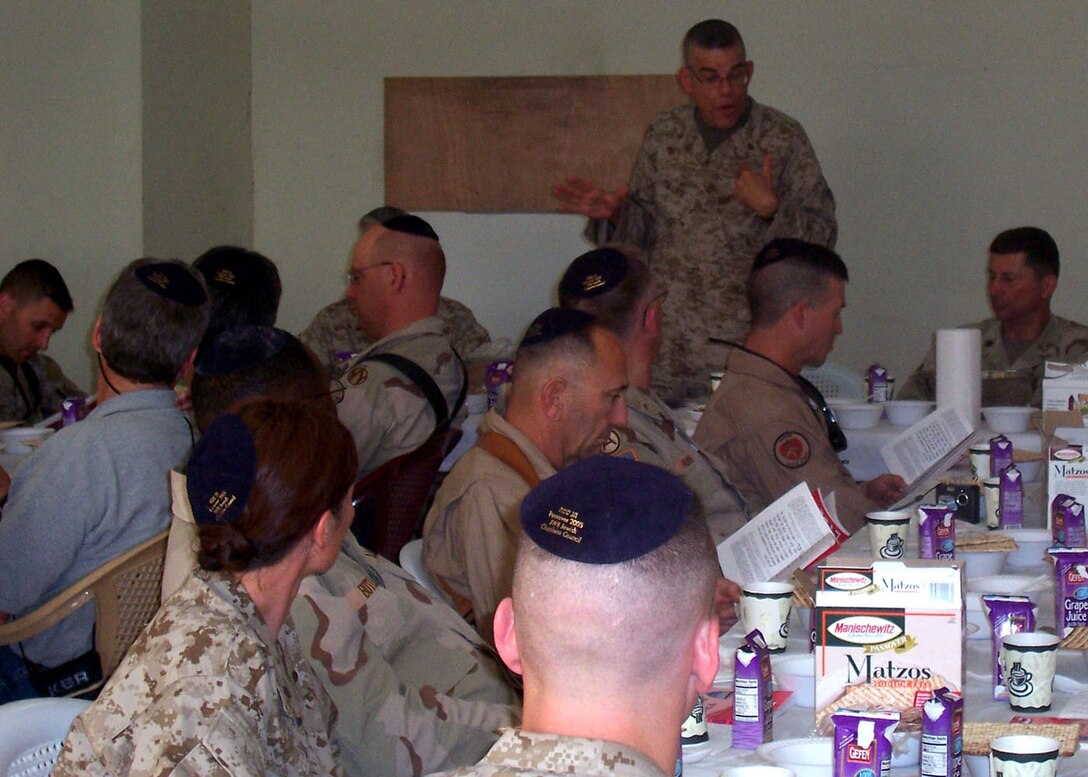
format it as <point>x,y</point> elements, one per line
<point>96,335</point>
<point>1050,285</point>
<point>684,78</point>
<point>506,638</point>
<point>398,275</point>
<point>797,315</point>
<point>705,657</point>
<point>651,319</point>
<point>186,370</point>
<point>553,398</point>
<point>7,304</point>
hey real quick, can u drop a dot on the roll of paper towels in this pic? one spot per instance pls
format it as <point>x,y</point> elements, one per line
<point>959,372</point>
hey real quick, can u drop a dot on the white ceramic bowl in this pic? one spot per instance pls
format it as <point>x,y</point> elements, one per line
<point>907,412</point>
<point>981,563</point>
<point>14,440</point>
<point>857,415</point>
<point>1031,545</point>
<point>810,756</point>
<point>796,673</point>
<point>1008,420</point>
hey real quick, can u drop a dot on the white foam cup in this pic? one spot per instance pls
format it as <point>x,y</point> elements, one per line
<point>766,606</point>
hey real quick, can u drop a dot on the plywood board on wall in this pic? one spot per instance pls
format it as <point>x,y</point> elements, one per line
<point>498,144</point>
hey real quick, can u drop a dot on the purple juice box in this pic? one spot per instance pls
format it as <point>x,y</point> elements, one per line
<point>1067,523</point>
<point>752,693</point>
<point>72,410</point>
<point>863,742</point>
<point>878,383</point>
<point>498,375</point>
<point>1000,455</point>
<point>936,532</point>
<point>1057,514</point>
<point>942,734</point>
<point>1007,615</point>
<point>1011,499</point>
<point>1071,595</point>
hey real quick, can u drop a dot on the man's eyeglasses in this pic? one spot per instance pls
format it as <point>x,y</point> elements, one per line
<point>736,78</point>
<point>353,275</point>
<point>835,433</point>
<point>336,391</point>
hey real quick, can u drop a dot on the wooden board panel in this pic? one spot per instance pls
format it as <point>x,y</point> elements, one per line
<point>498,144</point>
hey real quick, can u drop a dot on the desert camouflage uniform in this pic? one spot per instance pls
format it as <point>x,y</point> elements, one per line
<point>206,689</point>
<point>470,536</point>
<point>761,424</point>
<point>1062,340</point>
<point>335,330</point>
<point>52,383</point>
<point>386,413</point>
<point>416,688</point>
<point>701,241</point>
<point>531,754</point>
<point>654,435</point>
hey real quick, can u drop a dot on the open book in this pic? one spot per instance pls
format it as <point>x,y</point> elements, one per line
<point>792,532</point>
<point>923,452</point>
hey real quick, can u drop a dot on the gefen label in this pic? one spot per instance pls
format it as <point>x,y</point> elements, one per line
<point>847,581</point>
<point>863,629</point>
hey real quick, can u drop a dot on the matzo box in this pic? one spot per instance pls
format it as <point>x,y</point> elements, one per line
<point>1066,468</point>
<point>888,633</point>
<point>1065,387</point>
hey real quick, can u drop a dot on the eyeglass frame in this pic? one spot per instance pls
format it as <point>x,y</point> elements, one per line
<point>353,276</point>
<point>738,77</point>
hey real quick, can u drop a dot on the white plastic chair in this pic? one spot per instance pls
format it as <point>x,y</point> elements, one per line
<point>411,561</point>
<point>835,382</point>
<point>32,732</point>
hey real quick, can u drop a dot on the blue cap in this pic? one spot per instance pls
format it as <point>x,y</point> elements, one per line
<point>606,510</point>
<point>411,225</point>
<point>175,282</point>
<point>239,348</point>
<point>221,471</point>
<point>553,323</point>
<point>594,273</point>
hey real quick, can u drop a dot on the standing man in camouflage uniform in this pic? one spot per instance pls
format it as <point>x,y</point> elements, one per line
<point>567,392</point>
<point>397,269</point>
<point>614,285</point>
<point>768,424</point>
<point>610,623</point>
<point>714,182</point>
<point>334,334</point>
<point>34,303</point>
<point>1023,334</point>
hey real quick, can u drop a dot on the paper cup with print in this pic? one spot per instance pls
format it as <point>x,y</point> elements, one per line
<point>1028,659</point>
<point>979,456</point>
<point>888,533</point>
<point>1024,755</point>
<point>766,606</point>
<point>991,497</point>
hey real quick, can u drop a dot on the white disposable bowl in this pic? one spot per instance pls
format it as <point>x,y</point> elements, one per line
<point>857,415</point>
<point>993,584</point>
<point>1030,470</point>
<point>810,756</point>
<point>907,412</point>
<point>796,673</point>
<point>1008,420</point>
<point>977,765</point>
<point>1031,545</point>
<point>978,563</point>
<point>14,440</point>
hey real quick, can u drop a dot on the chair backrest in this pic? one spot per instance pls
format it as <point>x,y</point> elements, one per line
<point>391,501</point>
<point>835,382</point>
<point>32,732</point>
<point>126,595</point>
<point>411,561</point>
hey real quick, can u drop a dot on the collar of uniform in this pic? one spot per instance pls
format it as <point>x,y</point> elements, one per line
<point>493,422</point>
<point>551,753</point>
<point>748,363</point>
<point>143,399</point>
<point>432,325</point>
<point>230,589</point>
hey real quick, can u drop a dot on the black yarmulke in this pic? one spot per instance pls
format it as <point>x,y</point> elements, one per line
<point>605,510</point>
<point>221,471</point>
<point>553,323</point>
<point>173,281</point>
<point>411,225</point>
<point>241,347</point>
<point>594,273</point>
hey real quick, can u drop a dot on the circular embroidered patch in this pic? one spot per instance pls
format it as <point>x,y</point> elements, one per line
<point>792,450</point>
<point>612,444</point>
<point>356,375</point>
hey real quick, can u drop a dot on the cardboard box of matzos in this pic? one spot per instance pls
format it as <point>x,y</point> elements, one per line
<point>888,633</point>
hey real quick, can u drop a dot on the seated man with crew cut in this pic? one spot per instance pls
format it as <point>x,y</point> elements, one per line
<point>100,487</point>
<point>1022,275</point>
<point>34,304</point>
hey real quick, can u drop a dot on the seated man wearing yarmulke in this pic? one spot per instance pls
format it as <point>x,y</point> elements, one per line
<point>100,487</point>
<point>566,394</point>
<point>610,623</point>
<point>409,382</point>
<point>416,688</point>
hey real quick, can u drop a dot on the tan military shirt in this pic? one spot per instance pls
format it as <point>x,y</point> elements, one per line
<point>655,435</point>
<point>335,330</point>
<point>762,426</point>
<point>1062,340</point>
<point>471,532</point>
<point>531,754</point>
<point>18,402</point>
<point>208,690</point>
<point>701,241</point>
<point>386,413</point>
